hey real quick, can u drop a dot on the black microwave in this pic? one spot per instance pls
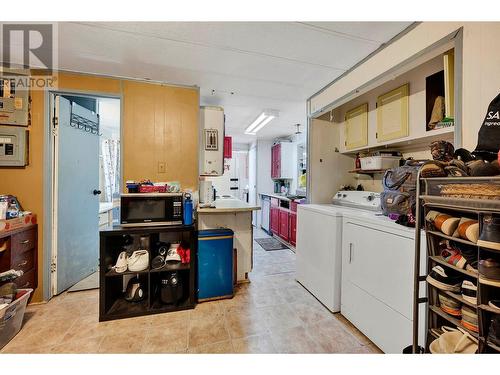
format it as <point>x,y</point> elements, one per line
<point>150,209</point>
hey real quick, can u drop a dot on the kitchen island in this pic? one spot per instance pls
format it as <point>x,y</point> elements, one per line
<point>236,215</point>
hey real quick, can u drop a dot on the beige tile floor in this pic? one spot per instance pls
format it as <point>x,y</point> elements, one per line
<point>272,314</point>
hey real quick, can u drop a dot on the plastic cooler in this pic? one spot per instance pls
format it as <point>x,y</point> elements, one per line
<point>11,318</point>
<point>215,264</point>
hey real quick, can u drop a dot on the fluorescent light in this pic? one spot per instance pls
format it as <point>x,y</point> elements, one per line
<point>264,118</point>
<point>263,123</point>
<point>254,124</point>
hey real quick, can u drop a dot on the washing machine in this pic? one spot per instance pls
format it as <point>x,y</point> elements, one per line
<point>319,243</point>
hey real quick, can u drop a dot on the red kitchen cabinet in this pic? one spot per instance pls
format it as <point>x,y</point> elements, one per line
<point>293,229</point>
<point>275,220</point>
<point>276,161</point>
<point>228,147</point>
<point>284,224</point>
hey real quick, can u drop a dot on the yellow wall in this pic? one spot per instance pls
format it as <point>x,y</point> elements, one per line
<point>160,123</point>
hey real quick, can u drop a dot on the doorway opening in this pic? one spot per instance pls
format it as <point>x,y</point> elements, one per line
<point>85,170</point>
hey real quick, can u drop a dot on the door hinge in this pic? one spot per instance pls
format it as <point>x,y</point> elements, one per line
<point>376,135</point>
<point>53,267</point>
<point>55,123</point>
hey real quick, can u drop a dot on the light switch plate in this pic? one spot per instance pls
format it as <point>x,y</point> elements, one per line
<point>161,167</point>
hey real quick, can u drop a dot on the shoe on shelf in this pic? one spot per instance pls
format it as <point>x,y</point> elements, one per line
<point>489,269</point>
<point>446,223</point>
<point>490,234</point>
<point>441,280</point>
<point>121,263</point>
<point>494,330</point>
<point>469,318</point>
<point>467,229</point>
<point>454,258</point>
<point>450,305</point>
<point>495,305</point>
<point>469,291</point>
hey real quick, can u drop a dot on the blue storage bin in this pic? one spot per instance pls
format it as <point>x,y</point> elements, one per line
<point>215,264</point>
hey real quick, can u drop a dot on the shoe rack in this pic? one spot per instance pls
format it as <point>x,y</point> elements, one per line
<point>429,198</point>
<point>112,304</point>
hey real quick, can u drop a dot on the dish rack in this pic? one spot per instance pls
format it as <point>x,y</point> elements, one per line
<point>429,198</point>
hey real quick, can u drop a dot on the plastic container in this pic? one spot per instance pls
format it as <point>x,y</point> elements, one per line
<point>11,318</point>
<point>379,162</point>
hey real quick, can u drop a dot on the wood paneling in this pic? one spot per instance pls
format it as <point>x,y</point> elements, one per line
<point>160,125</point>
<point>169,114</point>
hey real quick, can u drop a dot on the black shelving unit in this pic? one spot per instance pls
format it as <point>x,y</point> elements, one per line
<point>112,304</point>
<point>429,198</point>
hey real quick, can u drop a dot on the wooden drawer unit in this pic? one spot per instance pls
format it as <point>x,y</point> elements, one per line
<point>24,262</point>
<point>19,251</point>
<point>5,257</point>
<point>23,241</point>
<point>27,280</point>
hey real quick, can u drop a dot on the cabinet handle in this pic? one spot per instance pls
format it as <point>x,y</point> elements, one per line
<point>25,242</point>
<point>350,252</point>
<point>23,263</point>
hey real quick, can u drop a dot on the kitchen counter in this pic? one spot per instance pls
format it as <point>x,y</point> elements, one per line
<point>236,215</point>
<point>282,197</point>
<point>228,205</point>
<point>276,195</point>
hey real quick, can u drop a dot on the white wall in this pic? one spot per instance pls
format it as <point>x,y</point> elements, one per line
<point>236,167</point>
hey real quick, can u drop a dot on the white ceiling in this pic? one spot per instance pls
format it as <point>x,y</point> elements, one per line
<point>266,65</point>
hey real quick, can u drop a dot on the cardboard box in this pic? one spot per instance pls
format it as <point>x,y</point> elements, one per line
<point>18,222</point>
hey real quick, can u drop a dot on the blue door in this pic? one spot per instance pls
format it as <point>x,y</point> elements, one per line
<point>77,200</point>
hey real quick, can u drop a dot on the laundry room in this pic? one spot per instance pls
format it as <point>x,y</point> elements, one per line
<point>183,188</point>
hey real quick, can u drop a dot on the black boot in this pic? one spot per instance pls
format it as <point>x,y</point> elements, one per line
<point>490,234</point>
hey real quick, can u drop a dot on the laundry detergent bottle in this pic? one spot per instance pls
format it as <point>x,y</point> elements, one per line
<point>188,209</point>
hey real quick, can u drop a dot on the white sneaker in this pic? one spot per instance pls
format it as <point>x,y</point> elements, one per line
<point>121,263</point>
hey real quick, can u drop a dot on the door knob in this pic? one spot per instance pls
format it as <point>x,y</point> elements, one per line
<point>96,192</point>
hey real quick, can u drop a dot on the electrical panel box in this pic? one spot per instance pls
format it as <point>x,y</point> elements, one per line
<point>14,98</point>
<point>211,141</point>
<point>13,146</point>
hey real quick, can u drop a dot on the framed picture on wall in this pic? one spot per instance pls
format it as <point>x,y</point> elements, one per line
<point>211,140</point>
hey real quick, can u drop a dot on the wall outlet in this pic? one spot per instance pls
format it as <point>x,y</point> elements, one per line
<point>161,167</point>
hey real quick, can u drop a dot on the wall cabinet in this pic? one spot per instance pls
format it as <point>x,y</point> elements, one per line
<point>356,127</point>
<point>228,147</point>
<point>392,114</point>
<point>282,161</point>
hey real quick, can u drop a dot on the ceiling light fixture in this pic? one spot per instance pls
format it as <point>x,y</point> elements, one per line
<point>264,118</point>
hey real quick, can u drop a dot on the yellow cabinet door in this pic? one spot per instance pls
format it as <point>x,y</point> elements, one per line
<point>392,114</point>
<point>356,127</point>
<point>449,84</point>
